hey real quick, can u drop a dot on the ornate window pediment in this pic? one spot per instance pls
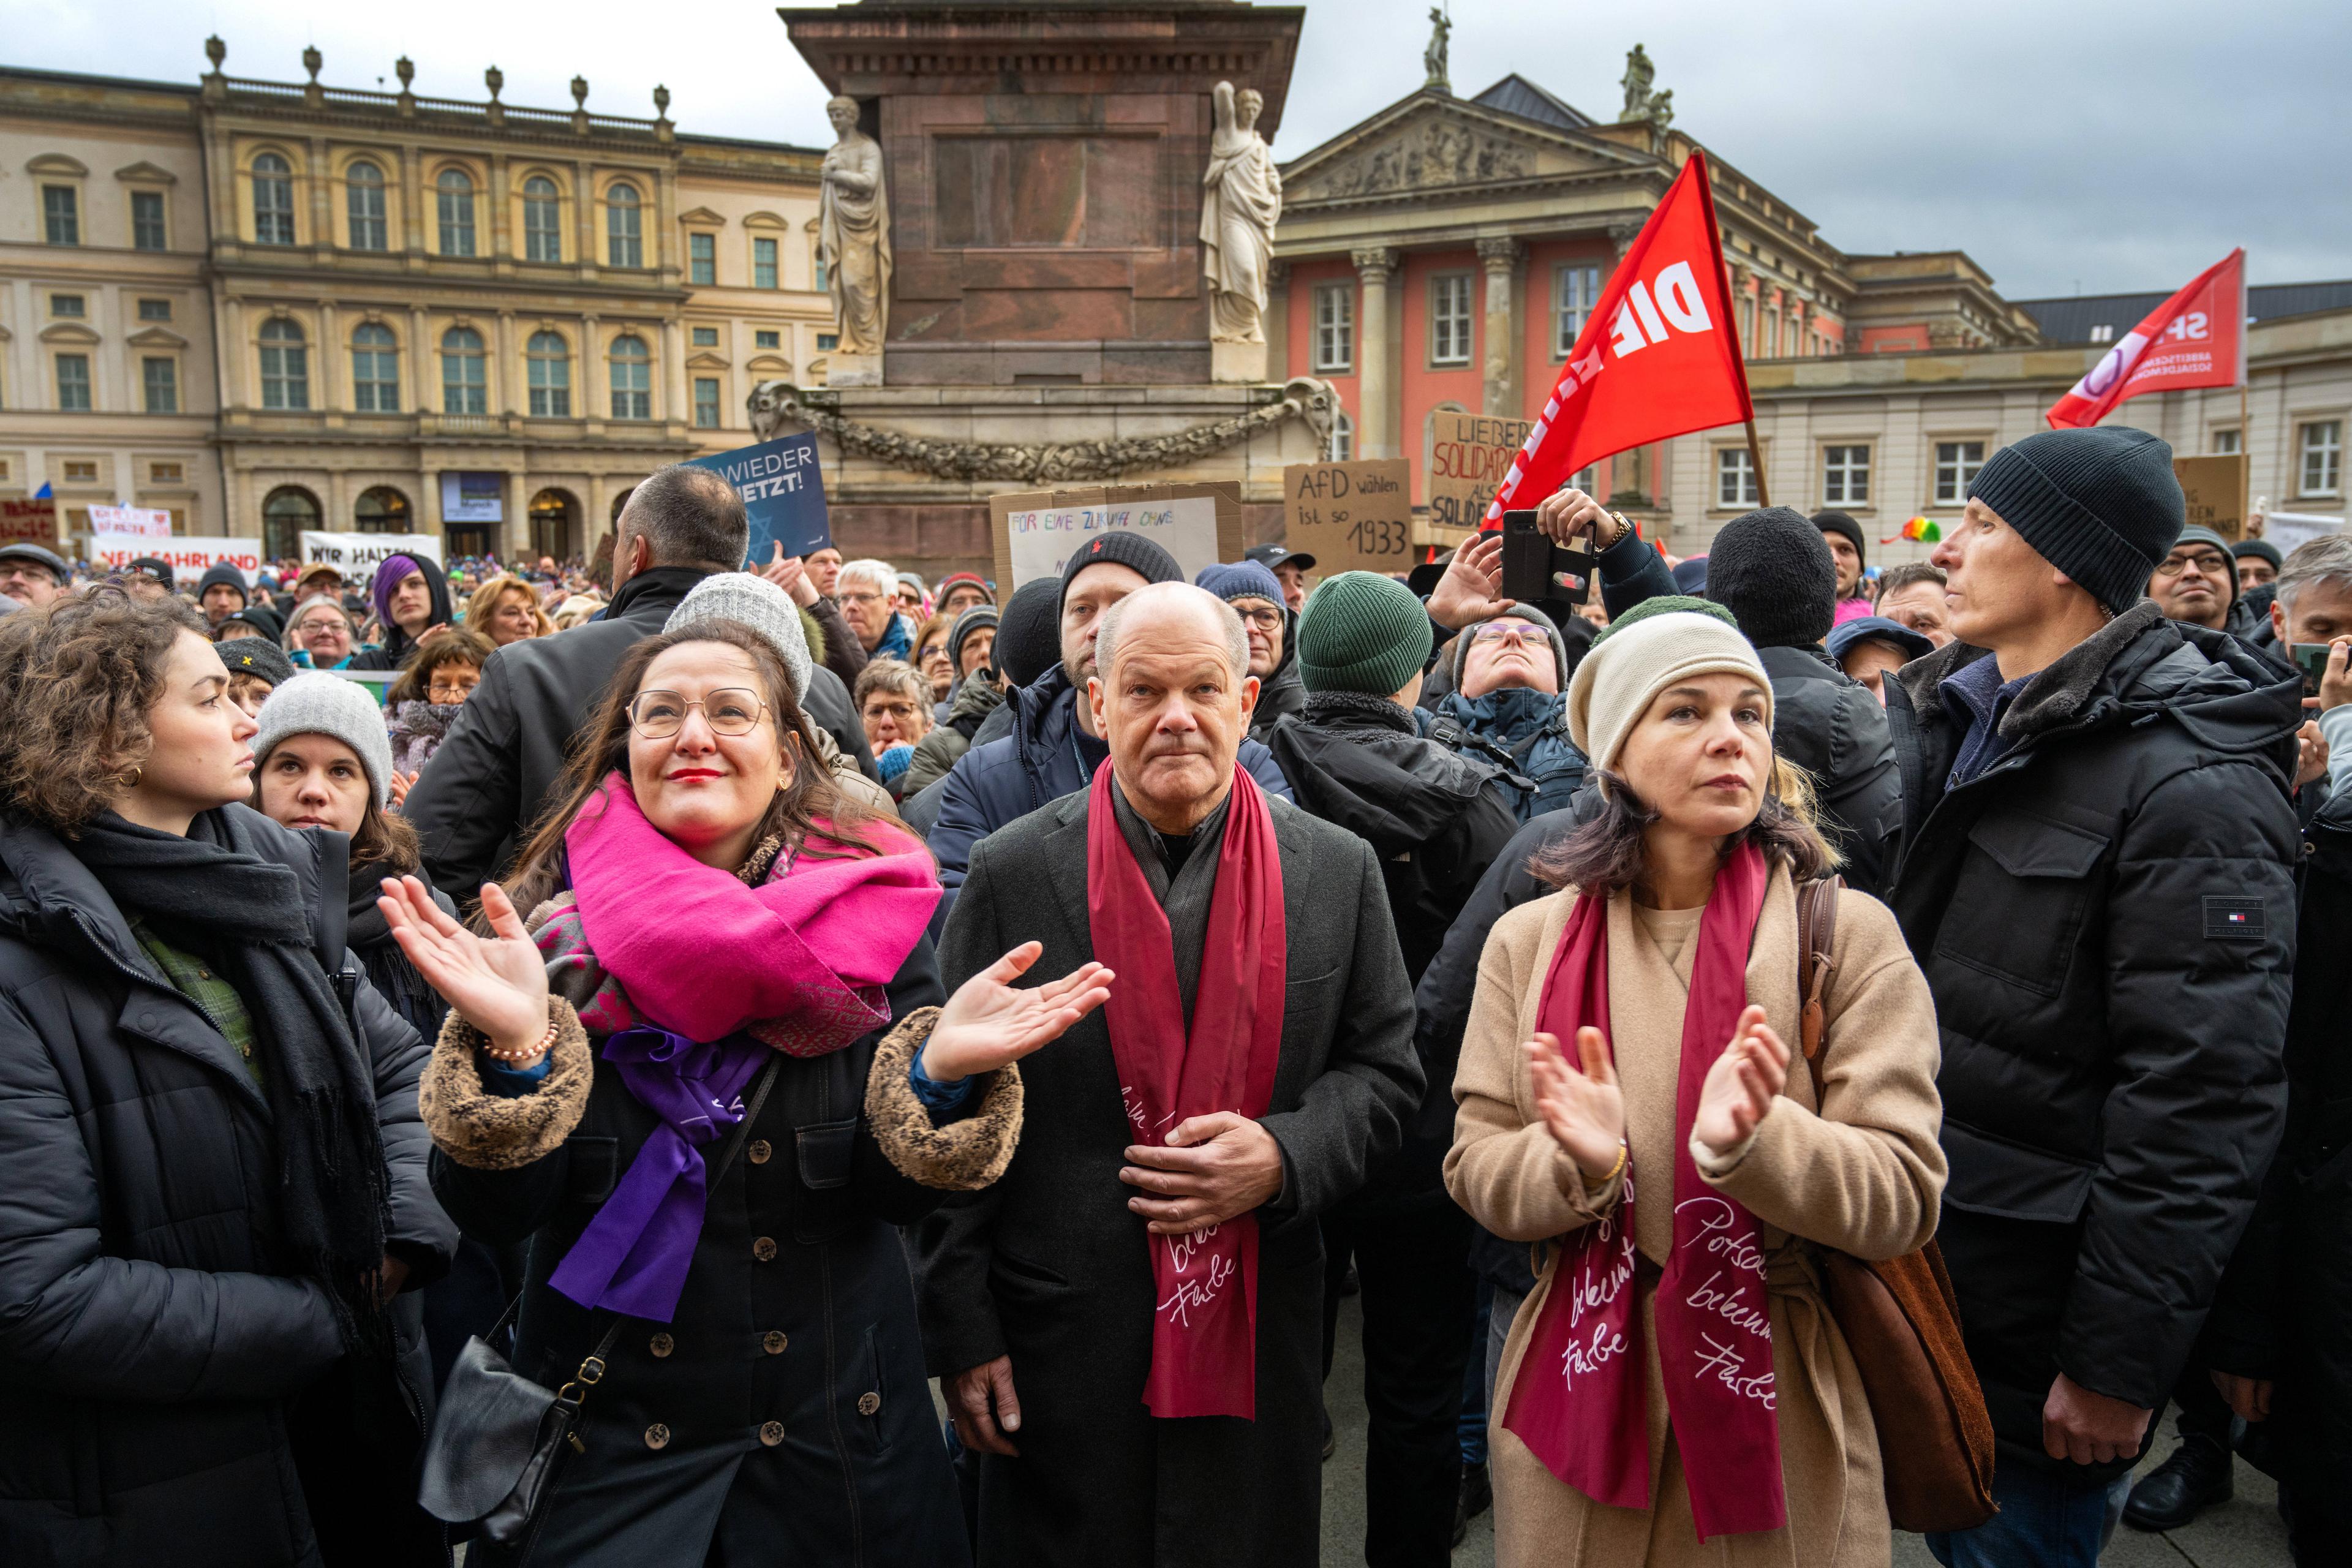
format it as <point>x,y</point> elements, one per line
<point>1425,145</point>
<point>702,218</point>
<point>68,332</point>
<point>56,164</point>
<point>765,219</point>
<point>157,338</point>
<point>706,359</point>
<point>145,174</point>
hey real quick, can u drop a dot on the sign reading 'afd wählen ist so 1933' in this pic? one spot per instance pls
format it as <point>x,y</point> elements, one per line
<point>783,494</point>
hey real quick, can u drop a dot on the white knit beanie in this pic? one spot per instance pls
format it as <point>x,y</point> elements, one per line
<point>317,702</point>
<point>757,604</point>
<point>1627,669</point>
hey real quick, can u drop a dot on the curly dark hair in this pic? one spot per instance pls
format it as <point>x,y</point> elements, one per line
<point>1605,854</point>
<point>811,815</point>
<point>77,683</point>
<point>447,644</point>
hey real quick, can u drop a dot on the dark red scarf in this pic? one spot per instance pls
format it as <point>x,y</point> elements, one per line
<point>1204,1331</point>
<point>1581,1399</point>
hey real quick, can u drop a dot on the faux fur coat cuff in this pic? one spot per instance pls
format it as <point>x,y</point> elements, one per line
<point>484,1132</point>
<point>966,1154</point>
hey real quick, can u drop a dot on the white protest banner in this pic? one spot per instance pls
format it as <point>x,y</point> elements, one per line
<point>1038,530</point>
<point>2289,528</point>
<point>191,555</point>
<point>138,522</point>
<point>357,556</point>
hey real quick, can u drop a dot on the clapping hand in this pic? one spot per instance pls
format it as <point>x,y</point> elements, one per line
<point>1741,1085</point>
<point>1585,1112</point>
<point>990,1021</point>
<point>497,984</point>
<point>788,573</point>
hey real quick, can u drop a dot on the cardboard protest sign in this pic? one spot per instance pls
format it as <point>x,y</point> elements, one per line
<point>143,521</point>
<point>2289,528</point>
<point>29,520</point>
<point>191,555</point>
<point>2216,490</point>
<point>357,556</point>
<point>1352,516</point>
<point>782,491</point>
<point>1036,531</point>
<point>1469,455</point>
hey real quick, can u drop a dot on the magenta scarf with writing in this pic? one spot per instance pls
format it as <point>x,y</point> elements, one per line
<point>1204,1327</point>
<point>1581,1400</point>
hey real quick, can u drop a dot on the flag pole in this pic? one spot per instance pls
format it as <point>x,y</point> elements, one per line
<point>1756,461</point>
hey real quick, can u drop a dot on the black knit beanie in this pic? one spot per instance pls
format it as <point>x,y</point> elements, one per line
<point>1839,522</point>
<point>2260,548</point>
<point>1118,547</point>
<point>1029,633</point>
<point>1773,571</point>
<point>2100,505</point>
<point>974,618</point>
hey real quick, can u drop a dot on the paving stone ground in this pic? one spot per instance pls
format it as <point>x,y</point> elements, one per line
<point>2242,1533</point>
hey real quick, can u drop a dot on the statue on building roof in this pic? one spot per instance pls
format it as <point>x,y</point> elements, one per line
<point>1432,59</point>
<point>1642,105</point>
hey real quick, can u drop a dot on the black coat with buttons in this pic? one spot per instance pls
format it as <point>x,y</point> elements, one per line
<point>783,1416</point>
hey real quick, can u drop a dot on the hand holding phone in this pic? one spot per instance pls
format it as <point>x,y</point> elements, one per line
<point>1535,569</point>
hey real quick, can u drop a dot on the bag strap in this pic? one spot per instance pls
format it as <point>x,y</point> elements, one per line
<point>331,926</point>
<point>1816,940</point>
<point>592,1369</point>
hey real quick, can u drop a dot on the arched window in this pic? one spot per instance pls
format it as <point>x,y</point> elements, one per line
<point>364,205</point>
<point>543,220</point>
<point>375,370</point>
<point>624,226</point>
<point>285,365</point>
<point>381,511</point>
<point>817,268</point>
<point>553,514</point>
<point>632,379</point>
<point>550,375</point>
<point>455,191</point>
<point>273,200</point>
<point>465,373</point>
<point>284,515</point>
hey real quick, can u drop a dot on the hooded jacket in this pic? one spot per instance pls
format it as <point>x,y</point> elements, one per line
<point>155,1340</point>
<point>938,752</point>
<point>1029,769</point>
<point>1829,725</point>
<point>2105,916</point>
<point>1522,730</point>
<point>399,647</point>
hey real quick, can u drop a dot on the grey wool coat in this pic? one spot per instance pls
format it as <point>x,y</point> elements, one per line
<point>1051,1267</point>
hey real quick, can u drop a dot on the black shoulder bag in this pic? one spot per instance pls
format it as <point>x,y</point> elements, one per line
<point>499,1437</point>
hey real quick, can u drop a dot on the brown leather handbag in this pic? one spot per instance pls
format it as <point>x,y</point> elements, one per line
<point>1900,1319</point>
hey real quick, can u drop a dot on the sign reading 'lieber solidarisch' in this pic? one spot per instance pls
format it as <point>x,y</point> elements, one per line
<point>1352,516</point>
<point>1469,455</point>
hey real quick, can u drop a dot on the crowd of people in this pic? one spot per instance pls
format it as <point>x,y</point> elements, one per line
<point>699,1003</point>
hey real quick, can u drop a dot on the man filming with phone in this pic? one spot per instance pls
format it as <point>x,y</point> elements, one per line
<point>1507,669</point>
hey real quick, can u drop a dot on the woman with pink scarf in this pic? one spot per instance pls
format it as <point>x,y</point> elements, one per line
<point>707,1077</point>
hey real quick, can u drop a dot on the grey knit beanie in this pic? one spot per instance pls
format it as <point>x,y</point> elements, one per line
<point>1535,619</point>
<point>757,604</point>
<point>317,702</point>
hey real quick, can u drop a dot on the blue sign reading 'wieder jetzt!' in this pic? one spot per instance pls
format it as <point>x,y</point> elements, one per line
<point>783,494</point>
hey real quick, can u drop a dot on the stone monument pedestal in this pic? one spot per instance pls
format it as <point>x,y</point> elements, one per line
<point>853,370</point>
<point>1236,363</point>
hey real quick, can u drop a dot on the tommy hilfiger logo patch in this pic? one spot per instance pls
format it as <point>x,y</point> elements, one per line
<point>2235,919</point>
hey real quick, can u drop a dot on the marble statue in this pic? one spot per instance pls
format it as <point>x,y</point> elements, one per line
<point>1432,59</point>
<point>1240,197</point>
<point>1642,105</point>
<point>853,232</point>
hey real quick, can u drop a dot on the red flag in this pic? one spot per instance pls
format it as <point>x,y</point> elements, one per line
<point>1659,355</point>
<point>2196,337</point>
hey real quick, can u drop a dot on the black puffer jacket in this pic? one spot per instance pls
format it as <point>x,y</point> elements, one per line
<point>2285,1308</point>
<point>1435,819</point>
<point>154,1344</point>
<point>2105,916</point>
<point>1829,725</point>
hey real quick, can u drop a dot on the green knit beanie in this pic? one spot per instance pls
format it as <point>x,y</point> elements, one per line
<point>1667,604</point>
<point>1362,632</point>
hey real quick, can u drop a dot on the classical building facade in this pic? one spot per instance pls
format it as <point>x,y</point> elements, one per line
<point>411,313</point>
<point>1442,255</point>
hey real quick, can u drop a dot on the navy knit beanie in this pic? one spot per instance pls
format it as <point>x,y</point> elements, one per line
<point>2100,505</point>
<point>1118,547</point>
<point>1242,580</point>
<point>1773,571</point>
<point>1361,632</point>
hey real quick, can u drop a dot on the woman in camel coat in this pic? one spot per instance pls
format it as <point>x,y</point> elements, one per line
<point>1699,854</point>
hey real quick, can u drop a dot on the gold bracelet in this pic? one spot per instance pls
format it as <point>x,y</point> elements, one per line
<point>1615,1171</point>
<point>546,1044</point>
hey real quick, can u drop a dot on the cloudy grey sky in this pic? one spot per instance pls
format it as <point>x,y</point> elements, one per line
<point>2090,145</point>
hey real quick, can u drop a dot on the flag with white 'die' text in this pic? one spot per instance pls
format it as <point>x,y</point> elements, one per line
<point>1659,354</point>
<point>2196,337</point>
